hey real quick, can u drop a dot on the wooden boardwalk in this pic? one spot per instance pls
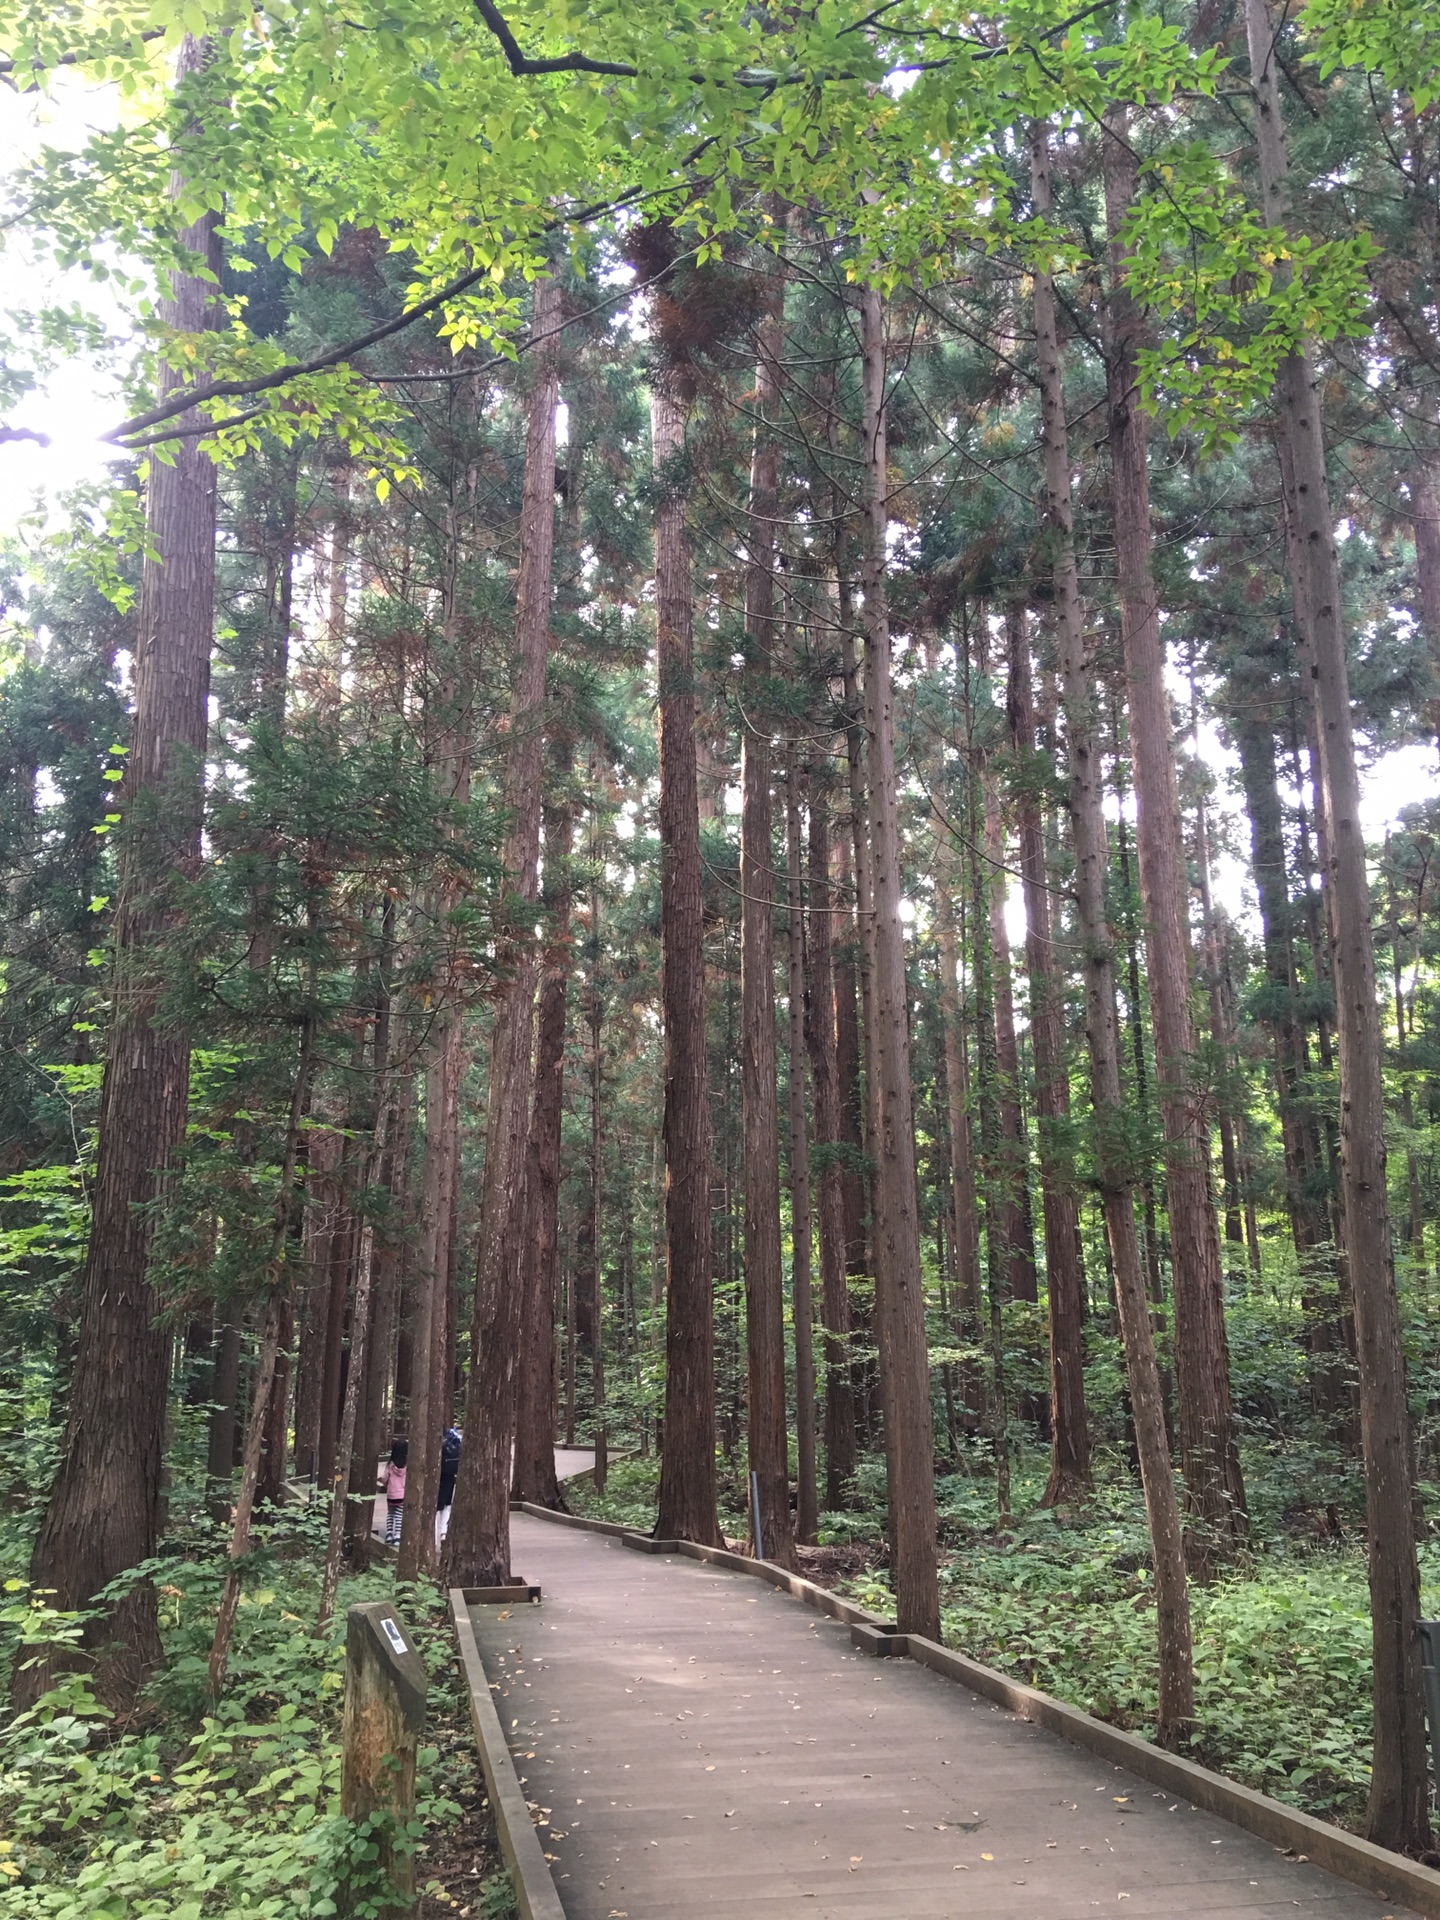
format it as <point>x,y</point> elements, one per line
<point>698,1744</point>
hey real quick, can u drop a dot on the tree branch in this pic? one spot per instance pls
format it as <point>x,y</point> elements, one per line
<point>521,66</point>
<point>188,397</point>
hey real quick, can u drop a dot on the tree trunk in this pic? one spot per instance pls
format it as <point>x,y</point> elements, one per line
<point>1304,1176</point>
<point>1398,1814</point>
<point>807,1516</point>
<point>760,1125</point>
<point>275,1320</point>
<point>599,1436</point>
<point>1012,1165</point>
<point>103,1512</point>
<point>359,1340</point>
<point>1423,487</point>
<point>224,1397</point>
<point>1087,812</point>
<point>1209,1454</point>
<point>964,1194</point>
<point>1064,1286</point>
<point>899,1286</point>
<point>417,1553</point>
<point>479,1537</point>
<point>534,1470</point>
<point>687,1467</point>
<point>824,1069</point>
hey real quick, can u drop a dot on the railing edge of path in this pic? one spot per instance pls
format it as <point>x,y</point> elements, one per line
<point>1376,1869</point>
<point>535,1894</point>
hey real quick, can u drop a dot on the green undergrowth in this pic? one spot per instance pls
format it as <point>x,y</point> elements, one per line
<point>1066,1604</point>
<point>199,1814</point>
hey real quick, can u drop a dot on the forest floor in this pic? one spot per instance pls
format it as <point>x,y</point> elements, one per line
<point>1065,1603</point>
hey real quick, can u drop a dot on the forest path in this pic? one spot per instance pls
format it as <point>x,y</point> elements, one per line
<point>774,1771</point>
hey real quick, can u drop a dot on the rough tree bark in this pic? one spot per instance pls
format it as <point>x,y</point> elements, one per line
<point>451,754</point>
<point>759,1102</point>
<point>479,1539</point>
<point>1013,1154</point>
<point>899,1285</point>
<point>807,1517</point>
<point>687,1468</point>
<point>533,1476</point>
<point>1398,1813</point>
<point>1064,1286</point>
<point>825,1076</point>
<point>1115,1176</point>
<point>103,1512</point>
<point>964,1193</point>
<point>1210,1458</point>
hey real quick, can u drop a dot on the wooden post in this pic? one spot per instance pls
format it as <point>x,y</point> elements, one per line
<point>385,1688</point>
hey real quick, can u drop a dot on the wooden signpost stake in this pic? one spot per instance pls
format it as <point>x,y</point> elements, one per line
<point>385,1688</point>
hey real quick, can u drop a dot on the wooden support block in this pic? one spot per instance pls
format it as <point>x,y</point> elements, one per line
<point>882,1642</point>
<point>518,1592</point>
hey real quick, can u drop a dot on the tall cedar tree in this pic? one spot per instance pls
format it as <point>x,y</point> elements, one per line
<point>1398,1814</point>
<point>104,1508</point>
<point>478,1543</point>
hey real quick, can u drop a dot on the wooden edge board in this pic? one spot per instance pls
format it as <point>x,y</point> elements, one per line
<point>521,1591</point>
<point>535,1895</point>
<point>1376,1869</point>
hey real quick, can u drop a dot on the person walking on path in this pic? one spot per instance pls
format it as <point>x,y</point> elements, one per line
<point>392,1479</point>
<point>449,1467</point>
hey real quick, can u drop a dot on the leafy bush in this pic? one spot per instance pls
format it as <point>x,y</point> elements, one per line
<point>200,1814</point>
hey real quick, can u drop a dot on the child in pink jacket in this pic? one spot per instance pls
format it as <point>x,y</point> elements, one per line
<point>392,1479</point>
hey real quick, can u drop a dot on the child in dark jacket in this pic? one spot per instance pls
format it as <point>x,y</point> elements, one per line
<point>449,1467</point>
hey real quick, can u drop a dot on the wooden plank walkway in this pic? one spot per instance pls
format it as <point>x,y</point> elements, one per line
<point>698,1744</point>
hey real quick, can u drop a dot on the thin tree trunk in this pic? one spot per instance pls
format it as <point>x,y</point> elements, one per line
<point>1087,812</point>
<point>479,1539</point>
<point>998,1212</point>
<point>103,1512</point>
<point>359,1338</point>
<point>1423,487</point>
<point>273,1327</point>
<point>760,1124</point>
<point>964,1194</point>
<point>824,1069</point>
<point>534,1471</point>
<point>1012,1166</point>
<point>807,1515</point>
<point>1064,1287</point>
<point>417,1552</point>
<point>1210,1458</point>
<point>224,1396</point>
<point>687,1468</point>
<point>1398,1814</point>
<point>599,1436</point>
<point>899,1285</point>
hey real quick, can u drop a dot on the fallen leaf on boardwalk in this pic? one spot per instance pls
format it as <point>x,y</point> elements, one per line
<point>1122,1799</point>
<point>503,1616</point>
<point>856,1858</point>
<point>731,1814</point>
<point>987,1856</point>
